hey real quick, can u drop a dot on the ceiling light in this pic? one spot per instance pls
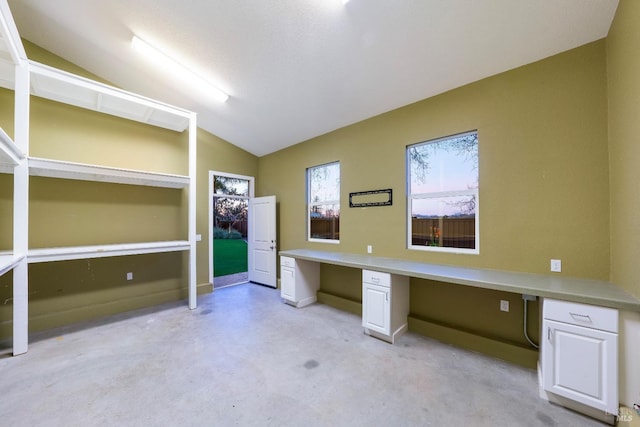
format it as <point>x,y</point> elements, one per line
<point>169,64</point>
<point>345,1</point>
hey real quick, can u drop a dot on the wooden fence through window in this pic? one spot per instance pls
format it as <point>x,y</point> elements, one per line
<point>325,228</point>
<point>240,226</point>
<point>450,232</point>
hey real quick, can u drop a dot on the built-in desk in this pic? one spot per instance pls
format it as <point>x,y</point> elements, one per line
<point>596,292</point>
<point>550,287</point>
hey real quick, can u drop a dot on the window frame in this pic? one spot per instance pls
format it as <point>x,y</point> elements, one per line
<point>439,195</point>
<point>310,204</point>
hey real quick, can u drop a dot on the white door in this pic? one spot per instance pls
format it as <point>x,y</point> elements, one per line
<point>262,240</point>
<point>581,364</point>
<point>288,283</point>
<point>376,308</point>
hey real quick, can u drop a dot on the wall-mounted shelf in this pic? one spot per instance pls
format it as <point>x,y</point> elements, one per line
<point>101,251</point>
<point>7,73</point>
<point>8,261</point>
<point>57,85</point>
<point>9,152</point>
<point>85,172</point>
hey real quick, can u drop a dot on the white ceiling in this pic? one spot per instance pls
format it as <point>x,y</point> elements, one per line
<point>296,69</point>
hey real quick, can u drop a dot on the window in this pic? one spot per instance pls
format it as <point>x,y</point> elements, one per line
<point>443,194</point>
<point>323,196</point>
<point>230,206</point>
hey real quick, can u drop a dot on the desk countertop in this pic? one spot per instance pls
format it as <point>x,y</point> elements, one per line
<point>586,291</point>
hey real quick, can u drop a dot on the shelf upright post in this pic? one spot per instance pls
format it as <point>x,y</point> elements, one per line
<point>21,211</point>
<point>11,38</point>
<point>193,141</point>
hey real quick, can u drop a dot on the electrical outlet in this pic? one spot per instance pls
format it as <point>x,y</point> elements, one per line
<point>504,305</point>
<point>129,276</point>
<point>556,265</point>
<point>369,249</point>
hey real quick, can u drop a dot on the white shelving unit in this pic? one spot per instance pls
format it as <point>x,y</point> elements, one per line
<point>9,153</point>
<point>28,78</point>
<point>10,157</point>
<point>85,172</point>
<point>57,85</point>
<point>8,261</point>
<point>66,253</point>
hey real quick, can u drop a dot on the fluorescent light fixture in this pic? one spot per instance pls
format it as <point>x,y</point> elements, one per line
<point>171,65</point>
<point>345,1</point>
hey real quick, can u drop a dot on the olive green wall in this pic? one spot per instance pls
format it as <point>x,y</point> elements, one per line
<point>66,212</point>
<point>623,69</point>
<point>543,184</point>
<point>543,169</point>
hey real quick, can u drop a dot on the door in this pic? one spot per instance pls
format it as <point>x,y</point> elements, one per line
<point>581,364</point>
<point>376,308</point>
<point>262,240</point>
<point>288,283</point>
<point>229,196</point>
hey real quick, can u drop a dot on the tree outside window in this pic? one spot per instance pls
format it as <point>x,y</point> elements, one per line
<point>230,206</point>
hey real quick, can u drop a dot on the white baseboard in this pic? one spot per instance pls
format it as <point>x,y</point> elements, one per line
<point>302,303</point>
<point>388,338</point>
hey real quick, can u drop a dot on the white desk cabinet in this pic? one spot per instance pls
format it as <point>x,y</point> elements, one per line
<point>580,353</point>
<point>299,281</point>
<point>385,304</point>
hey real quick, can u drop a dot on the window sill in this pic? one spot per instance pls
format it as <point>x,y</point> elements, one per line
<point>334,242</point>
<point>459,251</point>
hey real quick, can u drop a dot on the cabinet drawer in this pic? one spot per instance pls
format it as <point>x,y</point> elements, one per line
<point>376,278</point>
<point>286,261</point>
<point>573,313</point>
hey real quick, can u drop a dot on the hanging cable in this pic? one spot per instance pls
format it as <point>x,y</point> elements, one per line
<point>526,298</point>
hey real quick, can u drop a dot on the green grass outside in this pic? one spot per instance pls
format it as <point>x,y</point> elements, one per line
<point>229,256</point>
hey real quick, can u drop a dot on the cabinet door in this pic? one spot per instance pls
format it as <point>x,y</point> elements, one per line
<point>375,307</point>
<point>581,364</point>
<point>287,283</point>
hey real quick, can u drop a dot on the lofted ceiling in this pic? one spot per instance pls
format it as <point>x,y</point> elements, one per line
<point>296,69</point>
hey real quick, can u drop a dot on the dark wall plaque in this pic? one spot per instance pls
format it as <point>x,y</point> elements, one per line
<point>361,199</point>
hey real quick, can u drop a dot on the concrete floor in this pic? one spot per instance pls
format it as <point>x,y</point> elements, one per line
<point>243,358</point>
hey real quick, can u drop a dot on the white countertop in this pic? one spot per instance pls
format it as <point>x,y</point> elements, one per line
<point>586,291</point>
